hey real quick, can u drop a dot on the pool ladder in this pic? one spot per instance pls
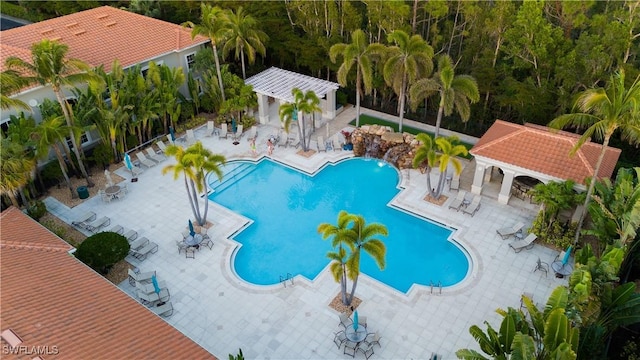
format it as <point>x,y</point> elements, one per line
<point>283,279</point>
<point>439,285</point>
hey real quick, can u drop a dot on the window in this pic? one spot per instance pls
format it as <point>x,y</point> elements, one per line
<point>191,60</point>
<point>145,69</point>
<point>84,138</point>
<point>199,82</point>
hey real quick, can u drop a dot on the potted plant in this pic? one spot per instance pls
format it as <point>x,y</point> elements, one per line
<point>348,145</point>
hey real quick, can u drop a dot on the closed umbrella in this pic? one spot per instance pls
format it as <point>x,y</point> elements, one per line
<point>127,162</point>
<point>107,175</point>
<point>567,253</point>
<point>234,125</point>
<point>173,133</point>
<point>156,287</point>
<point>355,320</point>
<point>191,231</point>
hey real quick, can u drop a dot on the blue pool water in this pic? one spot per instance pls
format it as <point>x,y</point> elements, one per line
<point>287,206</point>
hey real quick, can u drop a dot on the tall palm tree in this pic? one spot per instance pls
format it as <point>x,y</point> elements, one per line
<point>243,36</point>
<point>440,152</point>
<point>11,82</point>
<point>303,103</point>
<point>603,112</point>
<point>341,238</point>
<point>17,169</point>
<point>50,66</point>
<point>408,60</point>
<point>359,53</point>
<point>455,91</point>
<point>195,163</point>
<point>48,135</point>
<point>212,25</point>
<point>166,82</point>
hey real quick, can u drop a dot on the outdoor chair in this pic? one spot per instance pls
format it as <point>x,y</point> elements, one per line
<point>362,321</point>
<point>350,348</point>
<point>238,134</point>
<point>508,231</point>
<point>190,252</point>
<point>542,266</point>
<point>339,338</point>
<point>148,163</point>
<point>457,202</point>
<point>153,298</point>
<point>98,224</point>
<point>104,196</point>
<point>335,143</point>
<point>130,235</point>
<point>455,182</point>
<point>139,244</point>
<point>155,156</point>
<point>144,277</point>
<point>135,171</point>
<point>190,138</point>
<point>164,310</point>
<point>367,350</point>
<point>206,241</point>
<point>149,288</point>
<point>162,146</point>
<point>472,208</point>
<point>117,229</point>
<point>345,320</point>
<point>142,253</point>
<point>84,219</point>
<point>170,140</point>
<point>373,339</point>
<point>293,140</point>
<point>284,143</point>
<point>211,129</point>
<point>181,246</point>
<point>526,243</point>
<point>321,145</point>
<point>223,131</point>
<point>252,134</point>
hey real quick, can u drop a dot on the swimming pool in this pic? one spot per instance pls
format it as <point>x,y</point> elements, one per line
<point>287,206</point>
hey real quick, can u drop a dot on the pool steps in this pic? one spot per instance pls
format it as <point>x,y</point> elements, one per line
<point>234,173</point>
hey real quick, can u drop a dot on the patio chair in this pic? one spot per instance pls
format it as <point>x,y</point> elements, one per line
<point>252,133</point>
<point>293,140</point>
<point>350,348</point>
<point>362,321</point>
<point>238,134</point>
<point>98,224</point>
<point>144,277</point>
<point>139,244</point>
<point>163,310</point>
<point>367,350</point>
<point>131,235</point>
<point>171,142</point>
<point>117,229</point>
<point>84,219</point>
<point>542,266</point>
<point>345,320</point>
<point>206,241</point>
<point>335,143</point>
<point>526,243</point>
<point>104,196</point>
<point>508,231</point>
<point>135,171</point>
<point>142,253</point>
<point>373,339</point>
<point>155,156</point>
<point>153,298</point>
<point>339,338</point>
<point>211,129</point>
<point>162,146</point>
<point>284,142</point>
<point>472,208</point>
<point>457,202</point>
<point>190,138</point>
<point>148,288</point>
<point>223,131</point>
<point>455,182</point>
<point>321,145</point>
<point>148,163</point>
<point>190,252</point>
<point>181,246</point>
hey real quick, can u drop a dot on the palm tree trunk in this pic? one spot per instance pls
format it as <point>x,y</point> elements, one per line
<point>353,290</point>
<point>358,80</point>
<point>206,203</point>
<point>343,285</point>
<point>186,185</point>
<point>13,198</point>
<point>215,57</point>
<point>439,119</point>
<point>63,168</point>
<point>244,74</point>
<point>193,197</point>
<point>401,100</point>
<point>592,184</point>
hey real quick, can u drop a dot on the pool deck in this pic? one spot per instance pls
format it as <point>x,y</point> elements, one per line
<point>222,313</point>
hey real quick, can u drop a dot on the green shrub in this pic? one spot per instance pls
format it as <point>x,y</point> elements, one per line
<point>36,210</point>
<point>248,121</point>
<point>102,154</point>
<point>103,250</point>
<point>51,172</point>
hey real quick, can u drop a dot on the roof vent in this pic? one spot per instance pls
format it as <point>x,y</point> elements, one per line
<point>103,16</point>
<point>111,23</point>
<point>80,32</point>
<point>70,25</point>
<point>11,338</point>
<point>46,31</point>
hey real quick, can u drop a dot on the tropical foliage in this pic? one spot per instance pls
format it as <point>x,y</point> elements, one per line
<point>554,197</point>
<point>439,153</point>
<point>304,103</point>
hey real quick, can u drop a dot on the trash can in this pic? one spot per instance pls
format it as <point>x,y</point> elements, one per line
<point>83,192</point>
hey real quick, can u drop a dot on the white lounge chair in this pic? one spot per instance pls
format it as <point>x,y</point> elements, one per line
<point>98,224</point>
<point>135,171</point>
<point>526,243</point>
<point>144,277</point>
<point>162,146</point>
<point>508,231</point>
<point>190,137</point>
<point>142,253</point>
<point>164,310</point>
<point>211,129</point>
<point>139,244</point>
<point>284,140</point>
<point>148,288</point>
<point>293,139</point>
<point>171,142</point>
<point>455,182</point>
<point>144,160</point>
<point>472,208</point>
<point>155,156</point>
<point>131,235</point>
<point>322,146</point>
<point>252,133</point>
<point>223,131</point>
<point>117,229</point>
<point>238,134</point>
<point>458,200</point>
<point>151,299</point>
<point>335,143</point>
<point>84,219</point>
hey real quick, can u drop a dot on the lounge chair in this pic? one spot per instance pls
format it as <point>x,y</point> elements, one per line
<point>526,243</point>
<point>339,338</point>
<point>223,131</point>
<point>458,200</point>
<point>144,277</point>
<point>455,182</point>
<point>164,310</point>
<point>367,350</point>
<point>139,244</point>
<point>373,339</point>
<point>211,129</point>
<point>322,146</point>
<point>238,134</point>
<point>252,133</point>
<point>142,253</point>
<point>117,229</point>
<point>98,224</point>
<point>293,139</point>
<point>135,171</point>
<point>148,163</point>
<point>162,146</point>
<point>155,156</point>
<point>170,140</point>
<point>151,299</point>
<point>335,143</point>
<point>508,231</point>
<point>148,288</point>
<point>84,219</point>
<point>472,208</point>
<point>131,235</point>
<point>190,138</point>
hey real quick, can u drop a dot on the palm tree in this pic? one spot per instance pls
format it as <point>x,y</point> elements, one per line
<point>303,103</point>
<point>166,82</point>
<point>50,66</point>
<point>408,60</point>
<point>360,54</point>
<point>212,25</point>
<point>48,135</point>
<point>11,83</point>
<point>17,169</point>
<point>341,237</point>
<point>603,112</point>
<point>446,154</point>
<point>243,36</point>
<point>195,163</point>
<point>455,91</point>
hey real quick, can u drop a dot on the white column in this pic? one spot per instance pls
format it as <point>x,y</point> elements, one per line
<point>487,174</point>
<point>505,189</point>
<point>478,179</point>
<point>263,108</point>
<point>330,105</point>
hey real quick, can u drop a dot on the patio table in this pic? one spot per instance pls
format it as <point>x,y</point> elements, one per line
<point>354,335</point>
<point>193,240</point>
<point>112,191</point>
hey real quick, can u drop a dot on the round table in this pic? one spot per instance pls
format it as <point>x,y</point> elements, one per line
<point>112,190</point>
<point>356,336</point>
<point>193,240</point>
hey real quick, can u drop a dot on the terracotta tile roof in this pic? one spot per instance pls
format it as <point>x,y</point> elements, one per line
<point>100,35</point>
<point>540,149</point>
<point>48,298</point>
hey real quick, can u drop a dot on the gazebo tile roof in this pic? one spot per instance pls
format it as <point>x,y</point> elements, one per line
<point>543,150</point>
<point>278,83</point>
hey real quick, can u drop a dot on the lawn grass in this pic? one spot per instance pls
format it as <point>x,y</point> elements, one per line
<point>372,120</point>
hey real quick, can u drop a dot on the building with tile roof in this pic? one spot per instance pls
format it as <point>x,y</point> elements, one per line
<point>98,37</point>
<point>538,152</point>
<point>55,307</point>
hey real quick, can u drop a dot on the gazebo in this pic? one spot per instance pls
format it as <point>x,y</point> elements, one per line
<point>276,84</point>
<point>537,152</point>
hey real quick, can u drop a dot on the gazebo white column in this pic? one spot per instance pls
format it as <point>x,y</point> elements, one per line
<point>263,108</point>
<point>330,105</point>
<point>505,189</point>
<point>478,178</point>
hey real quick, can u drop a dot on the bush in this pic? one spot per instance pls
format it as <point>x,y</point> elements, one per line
<point>103,250</point>
<point>36,210</point>
<point>102,154</point>
<point>248,121</point>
